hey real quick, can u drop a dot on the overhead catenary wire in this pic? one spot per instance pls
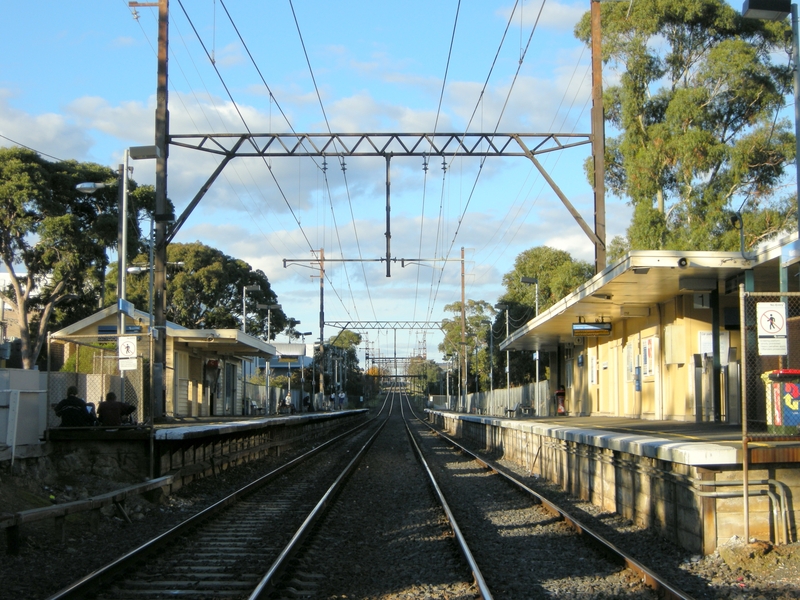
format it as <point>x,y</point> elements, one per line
<point>244,122</point>
<point>327,124</point>
<point>335,230</point>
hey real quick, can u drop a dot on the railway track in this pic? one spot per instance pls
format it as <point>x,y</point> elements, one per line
<point>224,550</point>
<point>360,519</point>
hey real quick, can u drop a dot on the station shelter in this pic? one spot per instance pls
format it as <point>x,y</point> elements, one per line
<point>657,335</point>
<point>204,368</point>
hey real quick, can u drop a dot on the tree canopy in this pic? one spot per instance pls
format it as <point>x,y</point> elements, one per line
<point>204,290</point>
<point>53,241</point>
<point>697,109</point>
<point>558,275</point>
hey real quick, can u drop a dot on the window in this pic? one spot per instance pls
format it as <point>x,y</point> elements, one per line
<point>112,329</point>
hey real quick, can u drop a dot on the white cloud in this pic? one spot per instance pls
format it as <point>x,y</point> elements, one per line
<point>556,15</point>
<point>62,138</point>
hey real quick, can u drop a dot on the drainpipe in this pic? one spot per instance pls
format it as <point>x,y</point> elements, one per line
<point>780,505</point>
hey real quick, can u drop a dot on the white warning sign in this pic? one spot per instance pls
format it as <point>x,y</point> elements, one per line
<point>771,327</point>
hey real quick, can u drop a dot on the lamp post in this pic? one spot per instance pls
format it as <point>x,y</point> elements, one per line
<point>294,323</point>
<point>465,349</point>
<point>774,10</point>
<point>303,368</point>
<point>777,10</point>
<point>505,307</point>
<point>138,269</point>
<point>245,289</point>
<point>136,153</point>
<point>491,354</point>
<point>535,281</point>
<point>269,308</point>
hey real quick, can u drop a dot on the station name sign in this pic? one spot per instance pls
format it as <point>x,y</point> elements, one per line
<point>591,329</point>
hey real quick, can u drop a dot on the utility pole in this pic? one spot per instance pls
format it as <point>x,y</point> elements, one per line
<point>463,347</point>
<point>598,141</point>
<point>161,217</point>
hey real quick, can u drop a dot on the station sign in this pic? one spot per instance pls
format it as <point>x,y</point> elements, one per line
<point>591,329</point>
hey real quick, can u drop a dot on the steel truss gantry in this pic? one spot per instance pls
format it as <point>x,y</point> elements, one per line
<point>385,324</point>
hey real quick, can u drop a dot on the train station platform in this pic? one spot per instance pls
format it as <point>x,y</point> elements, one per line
<point>187,448</point>
<point>682,479</point>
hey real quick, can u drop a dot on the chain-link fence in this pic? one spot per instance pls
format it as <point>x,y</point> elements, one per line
<point>92,363</point>
<point>771,365</point>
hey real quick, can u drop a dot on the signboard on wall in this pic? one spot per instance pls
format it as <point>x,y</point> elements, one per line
<point>591,329</point>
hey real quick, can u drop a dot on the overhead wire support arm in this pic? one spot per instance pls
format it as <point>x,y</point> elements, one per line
<point>384,324</point>
<point>379,144</point>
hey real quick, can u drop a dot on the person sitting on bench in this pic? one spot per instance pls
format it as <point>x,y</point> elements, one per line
<point>112,410</point>
<point>75,411</point>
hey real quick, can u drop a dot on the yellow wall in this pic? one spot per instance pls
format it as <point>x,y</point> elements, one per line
<point>662,345</point>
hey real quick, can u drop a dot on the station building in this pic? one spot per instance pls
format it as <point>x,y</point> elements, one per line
<point>205,368</point>
<point>682,380</point>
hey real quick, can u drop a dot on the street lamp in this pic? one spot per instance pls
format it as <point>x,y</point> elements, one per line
<point>778,10</point>
<point>535,281</point>
<point>245,289</point>
<point>135,153</point>
<point>138,269</point>
<point>505,307</point>
<point>303,368</point>
<point>269,308</point>
<point>491,353</point>
<point>775,10</point>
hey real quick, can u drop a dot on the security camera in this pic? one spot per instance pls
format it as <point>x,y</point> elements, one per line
<point>683,262</point>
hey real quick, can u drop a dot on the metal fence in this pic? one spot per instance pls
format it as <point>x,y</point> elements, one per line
<point>770,329</point>
<point>92,364</point>
<point>771,365</point>
<point>501,402</point>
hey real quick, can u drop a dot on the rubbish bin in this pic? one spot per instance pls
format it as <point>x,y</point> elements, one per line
<point>783,401</point>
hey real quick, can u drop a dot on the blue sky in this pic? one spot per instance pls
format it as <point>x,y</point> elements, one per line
<point>78,82</point>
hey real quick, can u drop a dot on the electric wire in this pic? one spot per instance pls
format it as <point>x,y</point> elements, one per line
<point>244,122</point>
<point>469,123</point>
<point>21,145</point>
<point>349,200</point>
<point>425,177</point>
<point>327,124</point>
<point>288,122</point>
<point>269,167</point>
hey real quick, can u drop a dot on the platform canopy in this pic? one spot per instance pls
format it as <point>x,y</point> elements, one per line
<point>635,285</point>
<point>223,342</point>
<point>227,342</point>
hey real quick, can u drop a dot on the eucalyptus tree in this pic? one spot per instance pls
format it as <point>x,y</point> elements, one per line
<point>558,275</point>
<point>53,242</point>
<point>695,113</point>
<point>204,291</point>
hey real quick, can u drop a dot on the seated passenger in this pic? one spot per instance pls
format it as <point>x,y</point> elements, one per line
<point>75,411</point>
<point>112,410</point>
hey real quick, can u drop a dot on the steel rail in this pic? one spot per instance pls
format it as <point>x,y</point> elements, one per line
<point>649,577</point>
<point>267,583</point>
<point>478,578</point>
<point>98,578</point>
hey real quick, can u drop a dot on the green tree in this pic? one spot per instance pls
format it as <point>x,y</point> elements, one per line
<point>424,375</point>
<point>558,275</point>
<point>340,356</point>
<point>477,317</point>
<point>53,241</point>
<point>696,110</point>
<point>204,290</point>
